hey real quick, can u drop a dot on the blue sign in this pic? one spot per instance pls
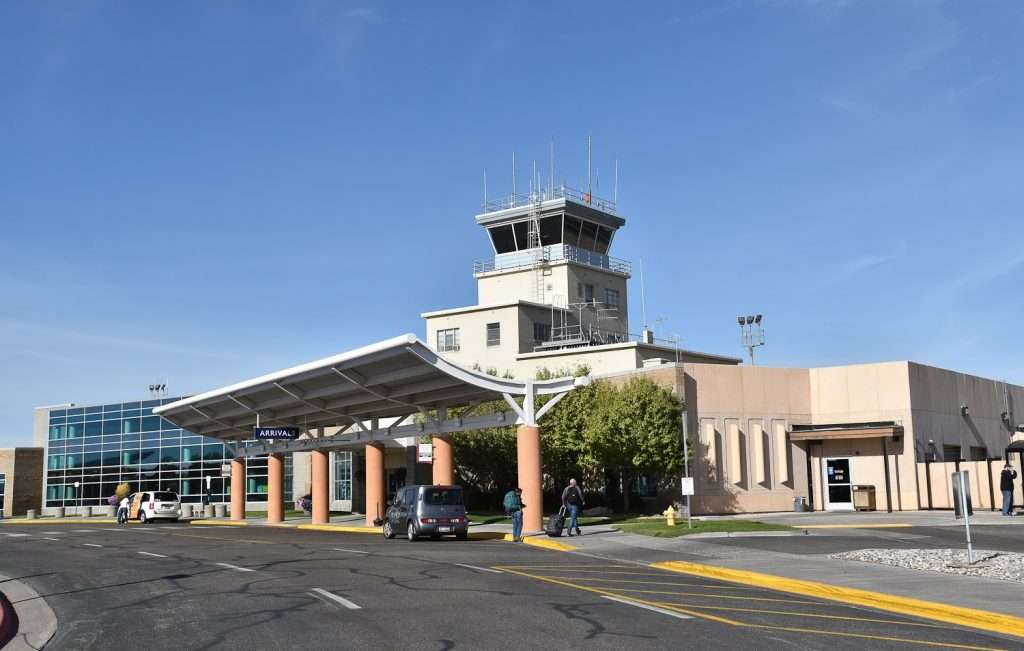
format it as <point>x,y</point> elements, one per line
<point>276,433</point>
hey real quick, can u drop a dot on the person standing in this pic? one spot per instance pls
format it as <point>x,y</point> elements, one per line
<point>514,507</point>
<point>572,499</point>
<point>1006,485</point>
<point>122,510</point>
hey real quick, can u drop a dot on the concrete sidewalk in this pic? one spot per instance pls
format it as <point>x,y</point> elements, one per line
<point>821,519</point>
<point>971,592</point>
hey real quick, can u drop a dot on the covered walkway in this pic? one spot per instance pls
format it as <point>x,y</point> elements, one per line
<point>392,389</point>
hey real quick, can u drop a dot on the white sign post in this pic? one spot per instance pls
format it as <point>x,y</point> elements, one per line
<point>687,485</point>
<point>78,494</point>
<point>960,481</point>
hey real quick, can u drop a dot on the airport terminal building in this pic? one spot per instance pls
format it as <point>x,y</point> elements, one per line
<point>552,297</point>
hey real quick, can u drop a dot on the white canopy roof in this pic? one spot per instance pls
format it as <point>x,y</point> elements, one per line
<point>392,378</point>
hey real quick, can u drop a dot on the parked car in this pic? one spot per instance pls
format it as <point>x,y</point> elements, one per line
<point>432,511</point>
<point>148,506</point>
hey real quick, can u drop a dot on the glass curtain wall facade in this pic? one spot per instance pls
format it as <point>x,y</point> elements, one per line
<point>105,445</point>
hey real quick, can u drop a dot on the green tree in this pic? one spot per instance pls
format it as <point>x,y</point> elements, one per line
<point>633,429</point>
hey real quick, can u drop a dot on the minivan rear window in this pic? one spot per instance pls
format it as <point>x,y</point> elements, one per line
<point>442,496</point>
<point>165,497</point>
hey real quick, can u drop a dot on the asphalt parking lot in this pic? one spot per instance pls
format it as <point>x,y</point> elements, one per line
<point>178,586</point>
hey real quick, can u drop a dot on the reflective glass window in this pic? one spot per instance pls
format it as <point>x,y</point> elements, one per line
<point>111,458</point>
<point>150,423</point>
<point>572,228</point>
<point>501,237</point>
<point>604,238</point>
<point>170,455</point>
<point>77,411</point>
<point>75,430</point>
<point>94,410</point>
<point>58,412</point>
<point>131,425</point>
<point>94,428</point>
<point>588,235</point>
<point>112,427</point>
<point>551,230</point>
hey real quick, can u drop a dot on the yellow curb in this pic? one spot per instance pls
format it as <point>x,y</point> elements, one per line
<point>537,541</point>
<point>957,615</point>
<point>221,523</point>
<point>895,525</point>
<point>338,527</point>
<point>63,521</point>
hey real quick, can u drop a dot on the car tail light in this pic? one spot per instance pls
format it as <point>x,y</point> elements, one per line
<point>427,520</point>
<point>458,520</point>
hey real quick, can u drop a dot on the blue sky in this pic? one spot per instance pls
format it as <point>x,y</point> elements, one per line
<point>201,192</point>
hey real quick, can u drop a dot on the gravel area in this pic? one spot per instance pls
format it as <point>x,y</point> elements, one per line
<point>1006,566</point>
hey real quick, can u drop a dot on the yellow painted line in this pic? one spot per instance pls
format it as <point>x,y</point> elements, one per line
<point>732,622</point>
<point>956,615</point>
<point>546,543</point>
<point>220,523</point>
<point>801,614</point>
<point>715,596</point>
<point>880,525</point>
<point>685,585</point>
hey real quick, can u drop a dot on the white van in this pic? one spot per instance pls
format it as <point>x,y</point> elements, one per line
<point>155,505</point>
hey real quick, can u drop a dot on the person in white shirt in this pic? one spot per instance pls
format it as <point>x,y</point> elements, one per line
<point>122,511</point>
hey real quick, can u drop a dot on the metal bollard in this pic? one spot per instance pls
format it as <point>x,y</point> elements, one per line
<point>220,510</point>
<point>30,514</point>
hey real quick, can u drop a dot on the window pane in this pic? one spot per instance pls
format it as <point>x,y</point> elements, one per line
<point>604,238</point>
<point>520,230</point>
<point>112,427</point>
<point>501,236</point>
<point>551,230</point>
<point>572,231</point>
<point>493,334</point>
<point>588,235</point>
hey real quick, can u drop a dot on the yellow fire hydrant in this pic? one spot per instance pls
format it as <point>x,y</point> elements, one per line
<point>670,516</point>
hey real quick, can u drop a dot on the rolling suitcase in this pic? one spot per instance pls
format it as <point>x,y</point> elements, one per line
<point>556,523</point>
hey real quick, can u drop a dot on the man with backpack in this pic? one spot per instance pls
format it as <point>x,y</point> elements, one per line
<point>514,507</point>
<point>1006,486</point>
<point>572,499</point>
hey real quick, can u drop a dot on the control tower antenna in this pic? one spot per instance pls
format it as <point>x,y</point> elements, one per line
<point>485,186</point>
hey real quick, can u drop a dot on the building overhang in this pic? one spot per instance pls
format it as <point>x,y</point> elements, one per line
<point>842,431</point>
<point>396,378</point>
<point>686,356</point>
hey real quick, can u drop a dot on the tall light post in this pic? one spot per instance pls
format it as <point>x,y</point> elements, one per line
<point>751,333</point>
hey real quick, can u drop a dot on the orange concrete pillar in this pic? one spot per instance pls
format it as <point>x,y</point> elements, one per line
<point>275,488</point>
<point>528,458</point>
<point>321,477</point>
<point>376,493</point>
<point>238,489</point>
<point>444,468</point>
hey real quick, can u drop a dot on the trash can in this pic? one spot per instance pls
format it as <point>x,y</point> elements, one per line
<point>799,504</point>
<point>864,498</point>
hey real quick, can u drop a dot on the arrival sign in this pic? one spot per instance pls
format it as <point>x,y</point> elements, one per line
<point>275,433</point>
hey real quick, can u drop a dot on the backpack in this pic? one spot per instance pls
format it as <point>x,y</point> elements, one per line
<point>510,502</point>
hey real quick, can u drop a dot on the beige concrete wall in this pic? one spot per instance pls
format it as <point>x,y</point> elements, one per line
<point>601,280</point>
<point>473,337</point>
<point>937,396</point>
<point>738,418</point>
<point>521,285</point>
<point>600,359</point>
<point>7,468</point>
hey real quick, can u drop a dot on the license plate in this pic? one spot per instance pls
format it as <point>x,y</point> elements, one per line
<point>445,529</point>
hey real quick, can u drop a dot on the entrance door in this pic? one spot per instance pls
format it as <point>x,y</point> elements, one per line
<point>838,485</point>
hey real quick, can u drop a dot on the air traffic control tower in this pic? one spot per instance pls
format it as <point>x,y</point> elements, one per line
<point>551,284</point>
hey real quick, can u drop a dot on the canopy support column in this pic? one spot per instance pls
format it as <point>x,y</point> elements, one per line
<point>375,489</point>
<point>528,460</point>
<point>275,488</point>
<point>320,493</point>
<point>238,488</point>
<point>443,461</point>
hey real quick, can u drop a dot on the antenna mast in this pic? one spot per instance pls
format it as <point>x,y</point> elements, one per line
<point>616,194</point>
<point>590,192</point>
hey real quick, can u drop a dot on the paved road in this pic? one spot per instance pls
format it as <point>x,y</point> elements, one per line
<point>179,586</point>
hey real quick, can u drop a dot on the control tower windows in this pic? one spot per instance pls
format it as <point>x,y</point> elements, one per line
<point>551,230</point>
<point>504,241</point>
<point>571,231</point>
<point>521,230</point>
<point>604,239</point>
<point>588,235</point>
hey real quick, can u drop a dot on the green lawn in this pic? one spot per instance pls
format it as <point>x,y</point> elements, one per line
<point>658,528</point>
